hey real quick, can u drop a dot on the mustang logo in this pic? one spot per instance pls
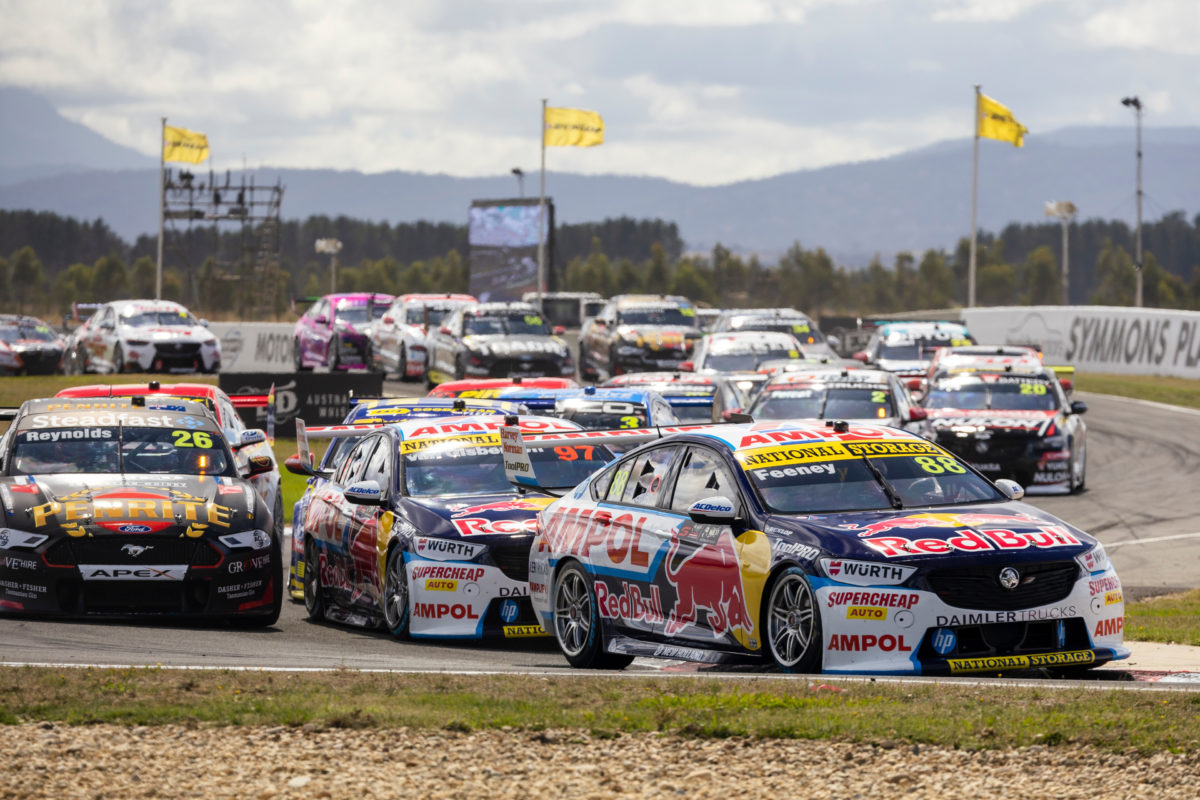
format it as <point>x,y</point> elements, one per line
<point>135,550</point>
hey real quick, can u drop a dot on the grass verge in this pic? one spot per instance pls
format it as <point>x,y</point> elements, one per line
<point>1172,619</point>
<point>964,716</point>
<point>1173,391</point>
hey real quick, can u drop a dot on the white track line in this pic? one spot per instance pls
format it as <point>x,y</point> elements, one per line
<point>1147,403</point>
<point>1152,540</point>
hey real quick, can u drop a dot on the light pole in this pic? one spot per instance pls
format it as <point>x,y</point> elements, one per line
<point>520,173</point>
<point>333,247</point>
<point>1136,105</point>
<point>1064,212</point>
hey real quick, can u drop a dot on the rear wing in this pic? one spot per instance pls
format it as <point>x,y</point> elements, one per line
<point>259,401</point>
<point>8,414</point>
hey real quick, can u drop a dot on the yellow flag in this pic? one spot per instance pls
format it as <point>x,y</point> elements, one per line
<point>573,127</point>
<point>997,122</point>
<point>180,144</point>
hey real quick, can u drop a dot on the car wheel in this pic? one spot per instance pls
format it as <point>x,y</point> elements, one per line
<point>792,622</point>
<point>298,357</point>
<point>396,617</point>
<point>335,353</point>
<point>402,363</point>
<point>1079,465</point>
<point>314,593</point>
<point>577,622</point>
<point>118,359</point>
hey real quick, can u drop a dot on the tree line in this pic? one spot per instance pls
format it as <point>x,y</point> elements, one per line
<point>53,261</point>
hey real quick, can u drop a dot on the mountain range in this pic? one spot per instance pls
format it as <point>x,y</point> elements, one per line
<point>912,201</point>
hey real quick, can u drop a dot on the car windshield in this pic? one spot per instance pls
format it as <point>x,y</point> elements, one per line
<point>831,477</point>
<point>355,314</point>
<point>12,334</point>
<point>1002,392</point>
<point>918,349</point>
<point>654,315</point>
<point>512,323</point>
<point>454,469</point>
<point>121,450</point>
<point>804,330</point>
<point>145,319</point>
<point>825,402</point>
<point>603,415</point>
<point>745,356</point>
<point>416,315</point>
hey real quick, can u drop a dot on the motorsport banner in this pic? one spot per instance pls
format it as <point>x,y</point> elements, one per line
<point>317,398</point>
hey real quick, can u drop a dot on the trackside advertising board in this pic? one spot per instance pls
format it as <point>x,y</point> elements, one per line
<point>255,346</point>
<point>317,398</point>
<point>1130,341</point>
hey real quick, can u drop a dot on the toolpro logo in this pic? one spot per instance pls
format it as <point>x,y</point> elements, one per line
<point>865,573</point>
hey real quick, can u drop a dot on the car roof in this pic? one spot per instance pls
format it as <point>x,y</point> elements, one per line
<point>131,389</point>
<point>356,298</point>
<point>917,329</point>
<point>735,337</point>
<point>453,427</point>
<point>639,300</point>
<point>396,409</point>
<point>74,406</point>
<point>744,436</point>
<point>870,377</point>
<point>426,297</point>
<point>121,306</point>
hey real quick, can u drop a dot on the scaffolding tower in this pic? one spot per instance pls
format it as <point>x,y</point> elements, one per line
<point>251,258</point>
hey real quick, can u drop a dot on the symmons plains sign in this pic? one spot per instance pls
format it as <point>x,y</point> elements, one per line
<point>1098,338</point>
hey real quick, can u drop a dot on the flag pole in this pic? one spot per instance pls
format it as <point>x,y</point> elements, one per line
<point>541,277</point>
<point>162,202</point>
<point>974,202</point>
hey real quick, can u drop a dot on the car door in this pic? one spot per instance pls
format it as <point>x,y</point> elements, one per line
<point>330,514</point>
<point>703,564</point>
<point>368,527</point>
<point>442,343</point>
<point>103,337</point>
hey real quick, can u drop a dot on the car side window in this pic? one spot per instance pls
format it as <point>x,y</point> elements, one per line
<point>703,474</point>
<point>379,465</point>
<point>352,467</point>
<point>647,477</point>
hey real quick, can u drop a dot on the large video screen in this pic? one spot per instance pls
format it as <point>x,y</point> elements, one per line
<point>503,240</point>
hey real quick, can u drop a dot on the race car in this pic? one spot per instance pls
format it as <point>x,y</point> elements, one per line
<point>997,357</point>
<point>29,346</point>
<point>398,337</point>
<point>496,340</point>
<point>835,548</point>
<point>742,354</point>
<point>421,533</point>
<point>907,348</point>
<point>131,507</point>
<point>142,336</point>
<point>334,331</point>
<point>370,413</point>
<point>598,408</point>
<point>492,388</point>
<point>637,333</point>
<point>857,395</point>
<point>693,398</point>
<point>1011,423</point>
<point>221,407</point>
<point>784,320</point>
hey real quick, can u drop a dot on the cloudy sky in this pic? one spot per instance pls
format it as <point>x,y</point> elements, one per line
<point>693,90</point>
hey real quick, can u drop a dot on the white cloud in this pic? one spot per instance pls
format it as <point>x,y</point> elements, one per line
<point>1164,26</point>
<point>983,10</point>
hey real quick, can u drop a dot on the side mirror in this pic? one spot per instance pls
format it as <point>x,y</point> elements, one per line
<point>203,323</point>
<point>365,493</point>
<point>1078,407</point>
<point>916,414</point>
<point>687,366</point>
<point>322,319</point>
<point>1010,489</point>
<point>716,509</point>
<point>249,437</point>
<point>1067,384</point>
<point>259,465</point>
<point>295,465</point>
<point>913,384</point>
<point>445,331</point>
<point>388,319</point>
<point>559,330</point>
<point>862,356</point>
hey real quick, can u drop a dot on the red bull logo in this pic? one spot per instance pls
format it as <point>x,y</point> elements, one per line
<point>917,521</point>
<point>707,577</point>
<point>517,504</point>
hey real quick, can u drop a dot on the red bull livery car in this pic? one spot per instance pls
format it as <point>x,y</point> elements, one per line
<point>838,549</point>
<point>420,532</point>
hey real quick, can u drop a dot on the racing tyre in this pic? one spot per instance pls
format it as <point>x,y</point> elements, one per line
<point>297,359</point>
<point>577,623</point>
<point>792,623</point>
<point>396,616</point>
<point>118,359</point>
<point>314,593</point>
<point>402,363</point>
<point>335,353</point>
<point>1081,484</point>
<point>460,369</point>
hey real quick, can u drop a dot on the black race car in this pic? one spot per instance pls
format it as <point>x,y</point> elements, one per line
<point>496,340</point>
<point>29,346</point>
<point>637,333</point>
<point>130,507</point>
<point>1011,423</point>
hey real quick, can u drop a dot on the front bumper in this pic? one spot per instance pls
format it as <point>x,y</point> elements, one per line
<point>536,366</point>
<point>467,600</point>
<point>1023,459</point>
<point>171,357</point>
